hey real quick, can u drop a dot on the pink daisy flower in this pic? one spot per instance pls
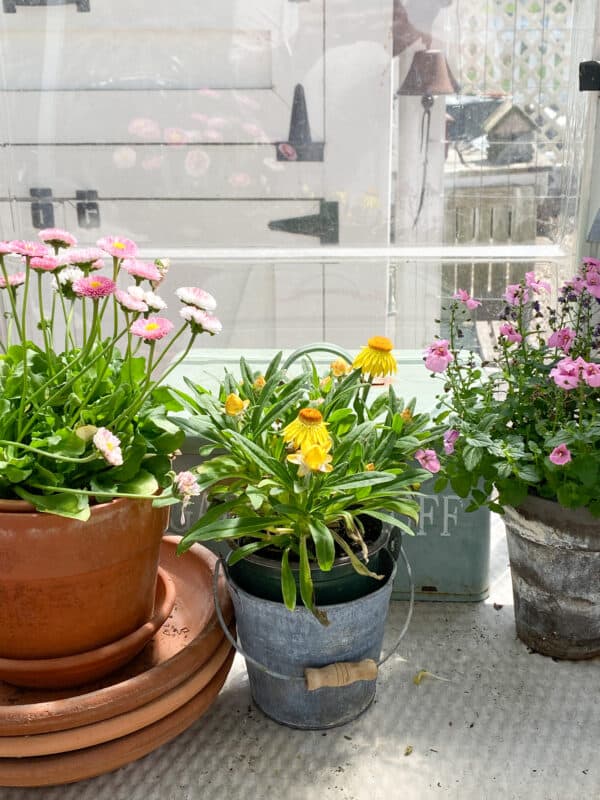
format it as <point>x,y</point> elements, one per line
<point>109,445</point>
<point>186,485</point>
<point>201,320</point>
<point>118,246</point>
<point>130,303</point>
<point>28,249</point>
<point>84,256</point>
<point>510,333</point>
<point>96,286</point>
<point>466,298</point>
<point>437,356</point>
<point>45,263</point>
<point>15,279</point>
<point>428,460</point>
<point>5,248</point>
<point>560,455</point>
<point>141,269</point>
<point>152,328</point>
<point>57,237</point>
<point>192,296</point>
<point>154,302</point>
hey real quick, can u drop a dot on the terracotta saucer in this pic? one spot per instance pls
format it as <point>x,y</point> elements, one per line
<point>43,744</point>
<point>184,643</point>
<point>75,670</point>
<point>80,764</point>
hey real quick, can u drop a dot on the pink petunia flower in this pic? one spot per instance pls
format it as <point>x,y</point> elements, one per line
<point>566,374</point>
<point>510,333</point>
<point>57,237</point>
<point>450,438</point>
<point>152,328</point>
<point>515,293</point>
<point>591,374</point>
<point>201,320</point>
<point>562,338</point>
<point>560,455</point>
<point>466,298</point>
<point>45,263</point>
<point>16,279</point>
<point>437,356</point>
<point>141,269</point>
<point>94,286</point>
<point>109,445</point>
<point>28,249</point>
<point>118,247</point>
<point>428,460</point>
<point>576,285</point>
<point>592,283</point>
<point>128,302</point>
<point>192,296</point>
<point>537,286</point>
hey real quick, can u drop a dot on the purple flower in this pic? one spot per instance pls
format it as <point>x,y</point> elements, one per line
<point>466,298</point>
<point>428,460</point>
<point>510,333</point>
<point>536,285</point>
<point>450,438</point>
<point>437,356</point>
<point>515,293</point>
<point>562,338</point>
<point>560,455</point>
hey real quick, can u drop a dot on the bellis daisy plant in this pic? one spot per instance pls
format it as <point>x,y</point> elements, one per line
<point>527,421</point>
<point>82,348</point>
<point>301,465</point>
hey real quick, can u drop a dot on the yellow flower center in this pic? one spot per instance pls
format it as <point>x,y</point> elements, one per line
<point>151,326</point>
<point>95,284</point>
<point>310,416</point>
<point>119,245</point>
<point>380,343</point>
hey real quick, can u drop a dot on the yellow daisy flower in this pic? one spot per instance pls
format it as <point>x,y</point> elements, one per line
<point>376,358</point>
<point>307,429</point>
<point>406,415</point>
<point>234,405</point>
<point>370,466</point>
<point>339,368</point>
<point>259,383</point>
<point>313,459</point>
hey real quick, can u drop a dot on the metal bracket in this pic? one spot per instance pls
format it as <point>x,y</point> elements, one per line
<point>10,6</point>
<point>299,146</point>
<point>589,76</point>
<point>325,224</point>
<point>88,212</point>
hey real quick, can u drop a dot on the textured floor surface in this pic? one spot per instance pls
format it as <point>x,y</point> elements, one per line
<point>505,724</point>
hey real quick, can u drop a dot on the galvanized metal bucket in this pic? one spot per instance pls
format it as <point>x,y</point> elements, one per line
<point>281,646</point>
<point>555,565</point>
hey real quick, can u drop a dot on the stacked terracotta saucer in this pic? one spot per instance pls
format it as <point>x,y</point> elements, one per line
<point>53,736</point>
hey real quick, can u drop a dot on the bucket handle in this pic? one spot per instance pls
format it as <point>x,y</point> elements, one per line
<point>341,673</point>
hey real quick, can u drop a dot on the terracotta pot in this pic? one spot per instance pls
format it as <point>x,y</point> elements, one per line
<point>69,586</point>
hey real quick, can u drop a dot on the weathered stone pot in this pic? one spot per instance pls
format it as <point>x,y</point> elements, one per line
<point>555,564</point>
<point>68,586</point>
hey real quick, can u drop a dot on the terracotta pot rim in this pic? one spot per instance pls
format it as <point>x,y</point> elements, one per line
<point>10,506</point>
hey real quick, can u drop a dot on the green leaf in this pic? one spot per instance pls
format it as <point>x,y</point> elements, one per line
<point>324,544</point>
<point>143,483</point>
<point>225,529</point>
<point>288,584</point>
<point>307,592</point>
<point>74,506</point>
<point>472,457</point>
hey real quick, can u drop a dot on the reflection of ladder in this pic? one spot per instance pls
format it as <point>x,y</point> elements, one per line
<point>488,215</point>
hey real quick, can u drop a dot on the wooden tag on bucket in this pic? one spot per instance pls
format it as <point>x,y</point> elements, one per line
<point>343,673</point>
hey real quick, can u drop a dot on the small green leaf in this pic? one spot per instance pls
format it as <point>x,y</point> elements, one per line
<point>288,584</point>
<point>324,544</point>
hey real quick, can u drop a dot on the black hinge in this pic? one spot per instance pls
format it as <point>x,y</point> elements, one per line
<point>10,6</point>
<point>42,208</point>
<point>325,224</point>
<point>589,76</point>
<point>88,211</point>
<point>299,146</point>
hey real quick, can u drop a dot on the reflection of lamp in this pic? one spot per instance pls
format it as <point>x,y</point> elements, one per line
<point>429,75</point>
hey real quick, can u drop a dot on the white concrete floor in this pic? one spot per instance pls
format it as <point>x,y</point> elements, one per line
<point>505,725</point>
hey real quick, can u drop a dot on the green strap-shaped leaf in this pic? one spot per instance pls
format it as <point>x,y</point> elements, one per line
<point>288,584</point>
<point>324,544</point>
